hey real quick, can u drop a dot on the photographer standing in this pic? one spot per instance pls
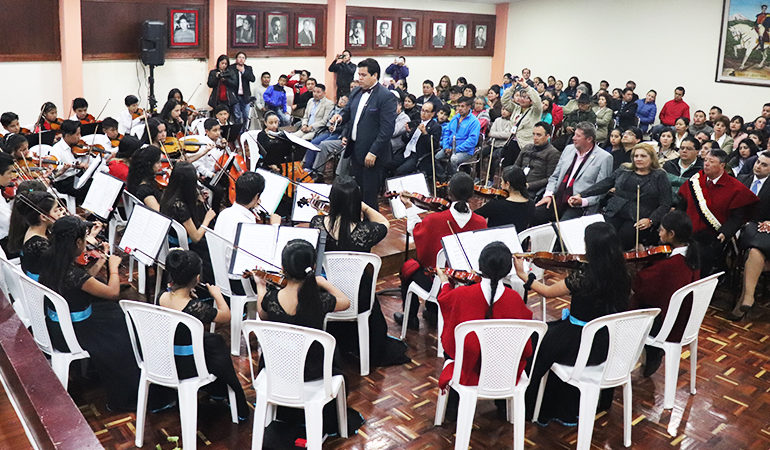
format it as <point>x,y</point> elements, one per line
<point>222,83</point>
<point>243,76</point>
<point>345,71</point>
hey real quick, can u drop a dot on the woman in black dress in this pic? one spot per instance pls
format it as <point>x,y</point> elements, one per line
<point>170,116</point>
<point>39,211</point>
<point>98,321</point>
<point>183,202</point>
<point>157,134</point>
<point>141,176</point>
<point>184,269</point>
<point>352,226</point>
<point>598,288</point>
<point>516,209</point>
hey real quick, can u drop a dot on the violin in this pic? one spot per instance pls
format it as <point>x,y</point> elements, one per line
<point>139,113</point>
<point>88,119</point>
<point>461,276</point>
<point>83,149</point>
<point>173,144</point>
<point>554,260</point>
<point>423,201</point>
<point>295,171</point>
<point>163,175</point>
<point>116,142</point>
<point>319,204</point>
<point>647,254</point>
<point>272,278</point>
<point>55,125</point>
<point>489,192</point>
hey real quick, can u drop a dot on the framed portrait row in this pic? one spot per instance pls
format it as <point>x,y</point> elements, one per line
<point>275,29</point>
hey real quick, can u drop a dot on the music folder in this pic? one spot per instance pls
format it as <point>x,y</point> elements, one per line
<point>90,128</point>
<point>261,246</point>
<point>44,137</point>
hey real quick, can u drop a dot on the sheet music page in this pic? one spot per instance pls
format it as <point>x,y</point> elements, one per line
<point>102,195</point>
<point>302,143</point>
<point>307,190</point>
<point>475,241</point>
<point>286,234</point>
<point>410,183</point>
<point>573,232</point>
<point>257,239</point>
<point>275,187</point>
<point>454,253</point>
<point>144,235</point>
<point>93,165</point>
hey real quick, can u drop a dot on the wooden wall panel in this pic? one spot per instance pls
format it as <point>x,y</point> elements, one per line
<point>112,28</point>
<point>30,31</point>
<point>293,10</point>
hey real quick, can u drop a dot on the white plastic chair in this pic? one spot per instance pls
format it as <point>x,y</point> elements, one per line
<point>129,201</point>
<point>627,332</point>
<point>11,287</point>
<point>218,248</point>
<point>541,238</point>
<point>42,149</point>
<point>154,337</point>
<point>181,235</point>
<point>34,295</point>
<point>702,291</point>
<point>197,126</point>
<point>282,381</point>
<point>502,344</point>
<point>344,270</point>
<point>69,200</point>
<point>100,139</point>
<point>250,137</point>
<point>414,289</point>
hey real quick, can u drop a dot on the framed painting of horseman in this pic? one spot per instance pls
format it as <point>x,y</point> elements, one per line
<point>744,52</point>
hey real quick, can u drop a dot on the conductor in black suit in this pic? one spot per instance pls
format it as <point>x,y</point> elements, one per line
<point>370,116</point>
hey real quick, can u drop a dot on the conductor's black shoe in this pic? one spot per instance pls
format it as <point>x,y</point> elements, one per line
<point>413,323</point>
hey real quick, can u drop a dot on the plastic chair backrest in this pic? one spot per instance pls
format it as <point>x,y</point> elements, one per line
<point>11,286</point>
<point>541,238</point>
<point>99,139</point>
<point>702,291</point>
<point>129,201</point>
<point>627,333</point>
<point>181,236</point>
<point>34,297</point>
<point>502,343</point>
<point>345,269</point>
<point>43,149</point>
<point>440,262</point>
<point>197,125</point>
<point>219,247</point>
<point>251,137</point>
<point>155,327</point>
<point>285,348</point>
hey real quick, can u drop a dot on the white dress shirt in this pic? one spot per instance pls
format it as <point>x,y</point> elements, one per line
<point>361,106</point>
<point>126,123</point>
<point>63,153</point>
<point>759,186</point>
<point>227,224</point>
<point>206,164</point>
<point>5,218</point>
<point>411,146</point>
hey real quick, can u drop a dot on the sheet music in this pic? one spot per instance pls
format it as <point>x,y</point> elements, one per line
<point>307,190</point>
<point>474,242</point>
<point>144,235</point>
<point>102,195</point>
<point>275,187</point>
<point>410,183</point>
<point>93,165</point>
<point>573,232</point>
<point>301,142</point>
<point>267,242</point>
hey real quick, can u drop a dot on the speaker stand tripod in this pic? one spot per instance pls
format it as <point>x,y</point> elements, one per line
<point>151,84</point>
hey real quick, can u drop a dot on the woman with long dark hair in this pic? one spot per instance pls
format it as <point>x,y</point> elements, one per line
<point>654,285</point>
<point>17,226</point>
<point>442,89</point>
<point>598,288</point>
<point>39,210</point>
<point>742,160</point>
<point>517,208</point>
<point>183,202</point>
<point>223,83</point>
<point>353,226</point>
<point>157,133</point>
<point>145,163</point>
<point>171,116</point>
<point>97,319</point>
<point>571,89</point>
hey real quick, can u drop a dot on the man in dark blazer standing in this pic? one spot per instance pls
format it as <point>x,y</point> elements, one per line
<point>370,116</point>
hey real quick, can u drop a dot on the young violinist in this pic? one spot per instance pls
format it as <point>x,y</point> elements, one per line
<point>29,236</point>
<point>517,208</point>
<point>427,234</point>
<point>119,165</point>
<point>142,172</point>
<point>654,285</point>
<point>110,127</point>
<point>7,174</point>
<point>131,119</point>
<point>80,111</point>
<point>18,227</point>
<point>48,118</point>
<point>64,180</point>
<point>222,114</point>
<point>208,158</point>
<point>170,116</point>
<point>17,146</point>
<point>275,149</point>
<point>184,270</point>
<point>599,287</point>
<point>157,136</point>
<point>489,299</point>
<point>183,202</point>
<point>187,113</point>
<point>10,122</point>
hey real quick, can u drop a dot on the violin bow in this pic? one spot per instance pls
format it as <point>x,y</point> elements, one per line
<point>636,247</point>
<point>489,166</point>
<point>102,110</point>
<point>558,225</point>
<point>461,246</point>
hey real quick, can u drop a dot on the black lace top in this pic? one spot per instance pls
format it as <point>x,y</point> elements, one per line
<point>72,289</point>
<point>201,310</point>
<point>145,190</point>
<point>585,304</point>
<point>32,254</point>
<point>364,236</point>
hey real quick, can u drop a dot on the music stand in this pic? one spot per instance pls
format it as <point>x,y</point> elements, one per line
<point>91,128</point>
<point>44,137</point>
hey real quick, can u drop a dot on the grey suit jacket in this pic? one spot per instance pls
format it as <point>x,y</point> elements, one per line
<point>597,167</point>
<point>319,120</point>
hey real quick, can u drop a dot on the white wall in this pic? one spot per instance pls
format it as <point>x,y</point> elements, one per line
<point>476,69</point>
<point>659,44</point>
<point>27,85</point>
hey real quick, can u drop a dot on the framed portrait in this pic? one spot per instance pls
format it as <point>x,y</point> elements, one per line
<point>276,29</point>
<point>460,37</point>
<point>357,31</point>
<point>245,29</point>
<point>408,33</point>
<point>307,27</point>
<point>438,34</point>
<point>383,32</point>
<point>741,57</point>
<point>183,31</point>
<point>480,36</point>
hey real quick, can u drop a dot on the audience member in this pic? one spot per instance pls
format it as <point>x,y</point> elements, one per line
<point>699,124</point>
<point>345,71</point>
<point>538,160</point>
<point>459,142</point>
<point>646,110</point>
<point>316,112</point>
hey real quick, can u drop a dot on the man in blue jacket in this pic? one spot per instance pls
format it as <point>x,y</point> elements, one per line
<point>461,137</point>
<point>646,110</point>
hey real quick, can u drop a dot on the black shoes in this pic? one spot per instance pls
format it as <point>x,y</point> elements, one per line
<point>413,323</point>
<point>739,314</point>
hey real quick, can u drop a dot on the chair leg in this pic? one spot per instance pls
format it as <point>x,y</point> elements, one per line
<point>258,429</point>
<point>314,426</point>
<point>542,306</point>
<point>130,269</point>
<point>440,329</point>
<point>407,307</point>
<point>693,364</point>
<point>672,356</point>
<point>236,322</point>
<point>233,405</point>
<point>518,421</point>
<point>342,411</point>
<point>188,413</point>
<point>142,283</point>
<point>440,407</point>
<point>141,411</point>
<point>509,409</point>
<point>158,279</point>
<point>363,343</point>
<point>465,412</point>
<point>627,408</point>
<point>61,367</point>
<point>539,401</point>
<point>589,398</point>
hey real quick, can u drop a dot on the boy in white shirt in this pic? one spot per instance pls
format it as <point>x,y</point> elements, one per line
<point>132,118</point>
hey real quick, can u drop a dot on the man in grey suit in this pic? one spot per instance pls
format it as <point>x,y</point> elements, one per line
<point>315,112</point>
<point>581,164</point>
